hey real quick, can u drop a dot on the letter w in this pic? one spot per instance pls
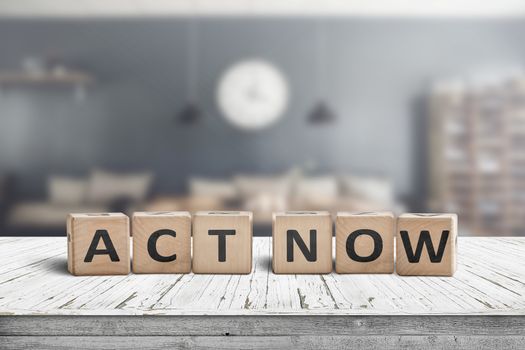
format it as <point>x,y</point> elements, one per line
<point>424,239</point>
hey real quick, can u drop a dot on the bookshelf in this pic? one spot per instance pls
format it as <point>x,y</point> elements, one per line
<point>477,154</point>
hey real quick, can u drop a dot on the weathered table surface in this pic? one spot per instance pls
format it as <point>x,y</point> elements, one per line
<point>41,304</point>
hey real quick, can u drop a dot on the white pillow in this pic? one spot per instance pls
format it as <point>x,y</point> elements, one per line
<point>250,186</point>
<point>316,189</point>
<point>67,190</point>
<point>374,189</point>
<point>219,189</point>
<point>264,194</point>
<point>105,187</point>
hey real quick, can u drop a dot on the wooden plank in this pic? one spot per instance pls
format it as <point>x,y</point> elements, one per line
<point>265,342</point>
<point>260,325</point>
<point>249,291</point>
<point>34,281</point>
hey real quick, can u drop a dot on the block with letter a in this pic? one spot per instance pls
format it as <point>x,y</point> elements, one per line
<point>426,244</point>
<point>222,242</point>
<point>302,242</point>
<point>98,244</point>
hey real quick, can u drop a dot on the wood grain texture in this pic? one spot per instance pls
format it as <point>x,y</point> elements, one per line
<point>414,226</point>
<point>176,248</point>
<point>266,342</point>
<point>42,306</point>
<point>382,224</point>
<point>266,325</point>
<point>237,251</point>
<point>287,257</point>
<point>82,230</point>
<point>490,280</point>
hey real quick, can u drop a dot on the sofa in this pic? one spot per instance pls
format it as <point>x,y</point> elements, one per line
<point>103,191</point>
<point>100,191</point>
<point>264,195</point>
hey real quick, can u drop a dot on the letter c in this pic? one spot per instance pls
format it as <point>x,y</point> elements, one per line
<point>152,245</point>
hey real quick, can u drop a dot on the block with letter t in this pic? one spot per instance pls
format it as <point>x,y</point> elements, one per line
<point>302,242</point>
<point>98,244</point>
<point>426,244</point>
<point>222,242</point>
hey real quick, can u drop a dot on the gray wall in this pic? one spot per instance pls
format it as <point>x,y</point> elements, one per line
<point>376,71</point>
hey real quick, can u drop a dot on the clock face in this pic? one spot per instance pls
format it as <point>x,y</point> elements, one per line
<point>252,94</point>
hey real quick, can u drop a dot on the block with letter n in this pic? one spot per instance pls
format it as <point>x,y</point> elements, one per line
<point>98,244</point>
<point>426,244</point>
<point>302,242</point>
<point>222,242</point>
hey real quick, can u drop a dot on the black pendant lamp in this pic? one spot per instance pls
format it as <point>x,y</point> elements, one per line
<point>191,113</point>
<point>321,113</point>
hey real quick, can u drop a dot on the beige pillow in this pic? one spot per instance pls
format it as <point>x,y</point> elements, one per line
<point>219,189</point>
<point>105,187</point>
<point>321,190</point>
<point>267,185</point>
<point>67,190</point>
<point>263,194</point>
<point>374,189</point>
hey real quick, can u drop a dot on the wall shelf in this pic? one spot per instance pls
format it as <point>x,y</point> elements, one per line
<point>68,78</point>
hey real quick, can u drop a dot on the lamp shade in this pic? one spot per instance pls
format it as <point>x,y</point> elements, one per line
<point>191,113</point>
<point>321,114</point>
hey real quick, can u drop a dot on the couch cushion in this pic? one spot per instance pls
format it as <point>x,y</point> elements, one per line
<point>106,187</point>
<point>208,188</point>
<point>250,186</point>
<point>45,214</point>
<point>67,190</point>
<point>321,191</point>
<point>375,189</point>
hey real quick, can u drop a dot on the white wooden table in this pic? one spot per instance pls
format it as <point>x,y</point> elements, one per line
<point>42,306</point>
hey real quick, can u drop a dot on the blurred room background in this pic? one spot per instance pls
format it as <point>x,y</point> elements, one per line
<point>262,106</point>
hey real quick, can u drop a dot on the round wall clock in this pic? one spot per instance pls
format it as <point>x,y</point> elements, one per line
<point>252,94</point>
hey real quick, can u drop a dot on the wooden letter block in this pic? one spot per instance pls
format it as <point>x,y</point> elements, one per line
<point>222,242</point>
<point>302,242</point>
<point>426,244</point>
<point>365,242</point>
<point>98,244</point>
<point>161,242</point>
